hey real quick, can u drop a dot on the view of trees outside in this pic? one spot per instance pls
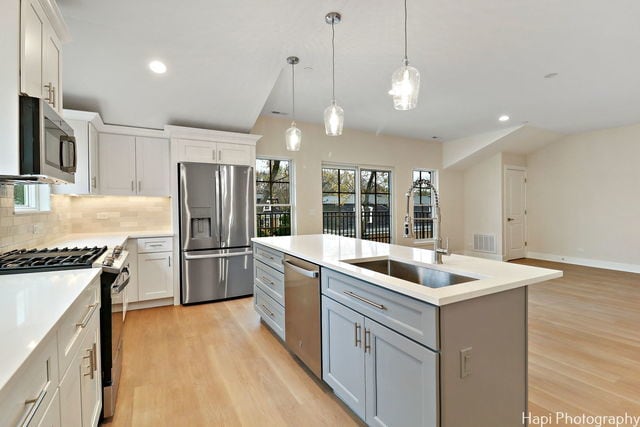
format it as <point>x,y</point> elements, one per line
<point>339,192</point>
<point>19,195</point>
<point>273,197</point>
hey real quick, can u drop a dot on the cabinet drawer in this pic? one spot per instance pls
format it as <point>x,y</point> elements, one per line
<point>271,312</point>
<point>32,388</point>
<point>411,318</point>
<point>269,256</point>
<point>71,330</point>
<point>270,281</point>
<point>155,244</point>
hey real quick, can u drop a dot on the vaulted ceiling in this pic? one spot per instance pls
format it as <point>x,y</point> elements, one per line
<point>478,60</point>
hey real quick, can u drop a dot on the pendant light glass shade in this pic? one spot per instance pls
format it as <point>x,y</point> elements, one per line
<point>405,86</point>
<point>333,119</point>
<point>333,114</point>
<point>293,138</point>
<point>405,81</point>
<point>293,135</point>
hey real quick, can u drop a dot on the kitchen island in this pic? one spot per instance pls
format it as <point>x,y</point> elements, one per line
<point>406,341</point>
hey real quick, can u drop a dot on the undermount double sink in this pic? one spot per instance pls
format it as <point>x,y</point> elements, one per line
<point>418,274</point>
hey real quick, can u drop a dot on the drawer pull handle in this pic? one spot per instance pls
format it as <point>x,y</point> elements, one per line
<point>363,299</point>
<point>85,320</point>
<point>267,281</point>
<point>155,245</point>
<point>269,312</point>
<point>91,365</point>
<point>358,335</point>
<point>367,341</point>
<point>35,404</point>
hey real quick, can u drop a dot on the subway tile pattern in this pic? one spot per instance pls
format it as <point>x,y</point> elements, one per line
<point>79,214</point>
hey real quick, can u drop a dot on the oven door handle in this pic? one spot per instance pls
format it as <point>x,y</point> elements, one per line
<point>116,289</point>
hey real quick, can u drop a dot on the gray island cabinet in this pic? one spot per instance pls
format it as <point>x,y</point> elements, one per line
<point>404,354</point>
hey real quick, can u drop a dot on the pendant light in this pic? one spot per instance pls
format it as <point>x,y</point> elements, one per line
<point>405,81</point>
<point>333,114</point>
<point>293,135</point>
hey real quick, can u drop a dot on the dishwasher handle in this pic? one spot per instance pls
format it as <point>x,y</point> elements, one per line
<point>307,273</point>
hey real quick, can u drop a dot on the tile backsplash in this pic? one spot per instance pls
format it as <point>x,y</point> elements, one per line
<point>79,214</point>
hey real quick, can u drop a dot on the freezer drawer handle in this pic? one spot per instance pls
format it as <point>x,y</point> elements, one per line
<point>307,273</point>
<point>366,301</point>
<point>192,257</point>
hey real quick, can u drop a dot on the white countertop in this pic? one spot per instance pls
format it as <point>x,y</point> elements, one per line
<point>30,307</point>
<point>103,239</point>
<point>329,250</point>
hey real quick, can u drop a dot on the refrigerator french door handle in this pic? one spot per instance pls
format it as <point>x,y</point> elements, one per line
<point>208,256</point>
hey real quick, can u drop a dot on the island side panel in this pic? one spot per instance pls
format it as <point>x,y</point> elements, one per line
<point>494,392</point>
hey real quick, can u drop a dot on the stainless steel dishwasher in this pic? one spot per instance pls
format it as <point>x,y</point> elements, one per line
<point>302,311</point>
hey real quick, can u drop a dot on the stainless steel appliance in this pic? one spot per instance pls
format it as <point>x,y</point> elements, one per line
<point>216,226</point>
<point>302,311</point>
<point>114,281</point>
<point>37,260</point>
<point>47,145</point>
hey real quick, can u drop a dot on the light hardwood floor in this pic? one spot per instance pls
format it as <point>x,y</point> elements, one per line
<point>216,365</point>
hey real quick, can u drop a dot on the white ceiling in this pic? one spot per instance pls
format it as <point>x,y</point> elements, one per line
<point>478,60</point>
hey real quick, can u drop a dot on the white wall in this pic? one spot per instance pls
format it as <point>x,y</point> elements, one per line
<point>483,203</point>
<point>402,155</point>
<point>583,198</point>
<point>9,86</point>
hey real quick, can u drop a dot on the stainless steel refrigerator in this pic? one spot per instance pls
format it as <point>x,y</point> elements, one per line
<point>216,226</point>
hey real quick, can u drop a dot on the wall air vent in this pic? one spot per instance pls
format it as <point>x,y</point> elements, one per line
<point>484,243</point>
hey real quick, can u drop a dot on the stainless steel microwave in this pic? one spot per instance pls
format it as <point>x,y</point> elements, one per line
<point>47,143</point>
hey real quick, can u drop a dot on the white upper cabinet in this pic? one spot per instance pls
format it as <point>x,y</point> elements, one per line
<point>133,165</point>
<point>117,155</point>
<point>152,166</point>
<point>86,179</point>
<point>190,150</point>
<point>41,51</point>
<point>234,154</point>
<point>32,34</point>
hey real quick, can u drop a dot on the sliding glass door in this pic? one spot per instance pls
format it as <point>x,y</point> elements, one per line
<point>347,191</point>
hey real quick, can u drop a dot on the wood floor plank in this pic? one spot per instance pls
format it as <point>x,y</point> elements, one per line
<point>218,365</point>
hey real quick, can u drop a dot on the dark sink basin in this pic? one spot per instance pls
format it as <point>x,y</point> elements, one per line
<point>413,273</point>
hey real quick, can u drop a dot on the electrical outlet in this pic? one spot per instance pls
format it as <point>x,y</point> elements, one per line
<point>37,228</point>
<point>465,362</point>
<point>102,215</point>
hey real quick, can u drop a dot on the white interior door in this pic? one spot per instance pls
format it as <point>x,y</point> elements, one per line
<point>515,213</point>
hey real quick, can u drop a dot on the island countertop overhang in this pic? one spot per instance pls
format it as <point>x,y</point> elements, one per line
<point>331,251</point>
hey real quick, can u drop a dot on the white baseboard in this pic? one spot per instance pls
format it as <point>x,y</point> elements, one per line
<point>140,305</point>
<point>495,257</point>
<point>587,262</point>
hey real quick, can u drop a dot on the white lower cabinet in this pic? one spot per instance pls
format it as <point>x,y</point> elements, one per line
<point>384,377</point>
<point>51,417</point>
<point>155,276</point>
<point>81,385</point>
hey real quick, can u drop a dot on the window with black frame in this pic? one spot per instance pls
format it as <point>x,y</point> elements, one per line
<point>273,197</point>
<point>375,199</point>
<point>339,201</point>
<point>422,206</point>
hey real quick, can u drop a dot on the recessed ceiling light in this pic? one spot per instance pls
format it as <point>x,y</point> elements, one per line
<point>157,67</point>
<point>504,118</point>
<point>550,75</point>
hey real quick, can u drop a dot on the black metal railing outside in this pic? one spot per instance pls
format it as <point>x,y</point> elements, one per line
<point>422,222</point>
<point>274,224</point>
<point>376,226</point>
<point>341,223</point>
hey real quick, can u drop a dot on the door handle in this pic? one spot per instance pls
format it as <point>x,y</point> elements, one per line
<point>367,340</point>
<point>358,335</point>
<point>192,257</point>
<point>139,186</point>
<point>510,219</point>
<point>307,273</point>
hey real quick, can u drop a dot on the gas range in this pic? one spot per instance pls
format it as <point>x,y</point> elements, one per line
<point>56,259</point>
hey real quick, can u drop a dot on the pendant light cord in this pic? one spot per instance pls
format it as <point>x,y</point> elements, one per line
<point>333,62</point>
<point>293,91</point>
<point>406,59</point>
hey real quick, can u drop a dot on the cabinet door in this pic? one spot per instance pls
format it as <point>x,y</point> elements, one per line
<point>94,167</point>
<point>154,276</point>
<point>234,154</point>
<point>70,393</point>
<point>51,418</point>
<point>51,79</point>
<point>117,154</point>
<point>402,379</point>
<point>343,355</point>
<point>190,150</point>
<point>152,166</point>
<point>91,383</point>
<point>32,27</point>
